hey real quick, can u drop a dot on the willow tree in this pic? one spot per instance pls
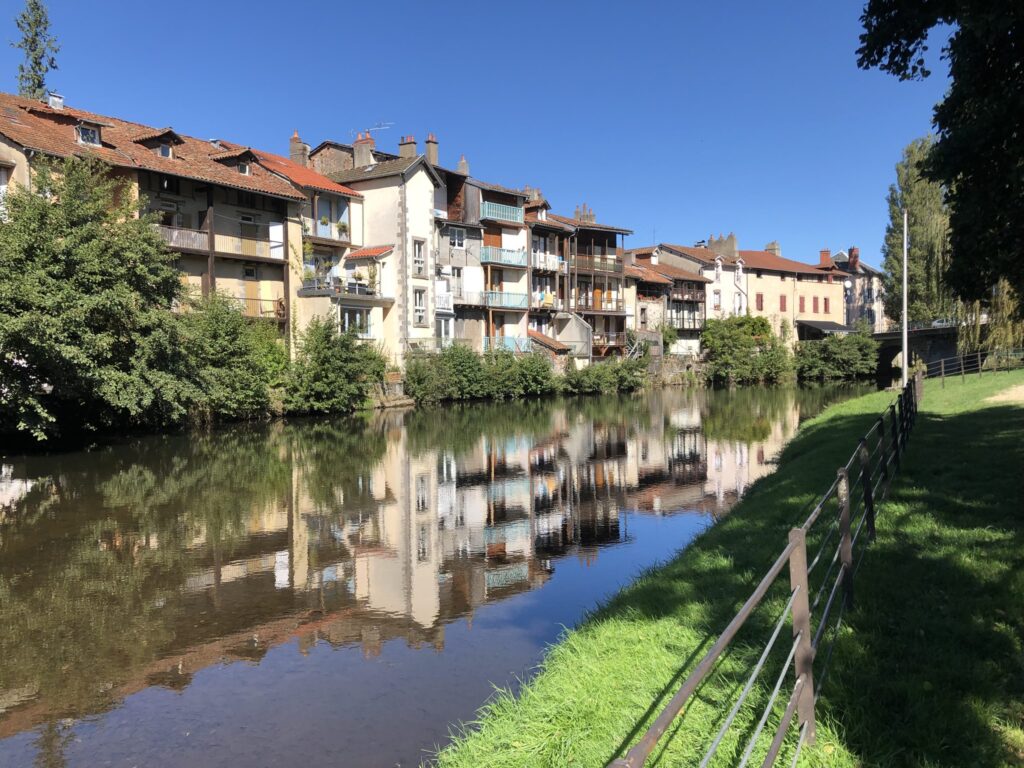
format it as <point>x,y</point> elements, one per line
<point>928,296</point>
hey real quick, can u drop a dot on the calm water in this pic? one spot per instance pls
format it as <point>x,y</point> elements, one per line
<point>339,593</point>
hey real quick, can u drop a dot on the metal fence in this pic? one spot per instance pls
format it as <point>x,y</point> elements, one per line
<point>974,362</point>
<point>840,524</point>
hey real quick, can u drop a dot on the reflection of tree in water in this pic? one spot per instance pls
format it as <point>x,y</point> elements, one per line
<point>458,428</point>
<point>53,739</point>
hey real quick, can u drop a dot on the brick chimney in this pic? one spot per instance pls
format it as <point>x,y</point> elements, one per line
<point>774,248</point>
<point>431,148</point>
<point>854,258</point>
<point>463,166</point>
<point>825,257</point>
<point>298,150</point>
<point>363,150</point>
<point>407,147</point>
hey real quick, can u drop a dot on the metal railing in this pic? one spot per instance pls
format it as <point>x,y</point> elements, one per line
<point>506,300</point>
<point>602,339</point>
<point>475,298</point>
<point>501,212</point>
<point>588,303</point>
<point>684,322</point>
<point>267,309</point>
<point>181,237</point>
<point>548,261</point>
<point>545,300</point>
<point>443,302</point>
<point>849,507</point>
<point>508,343</point>
<point>974,362</point>
<point>492,254</point>
<point>688,295</point>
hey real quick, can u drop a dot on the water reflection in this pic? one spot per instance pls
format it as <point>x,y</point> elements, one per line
<point>142,565</point>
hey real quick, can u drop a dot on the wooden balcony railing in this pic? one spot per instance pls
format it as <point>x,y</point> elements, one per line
<point>588,303</point>
<point>597,263</point>
<point>180,237</point>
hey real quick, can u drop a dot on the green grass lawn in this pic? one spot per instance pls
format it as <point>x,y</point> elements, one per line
<point>927,668</point>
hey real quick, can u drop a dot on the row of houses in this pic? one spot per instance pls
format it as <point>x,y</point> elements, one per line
<point>415,256</point>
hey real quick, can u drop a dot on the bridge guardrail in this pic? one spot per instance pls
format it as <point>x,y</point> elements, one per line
<point>991,360</point>
<point>849,508</point>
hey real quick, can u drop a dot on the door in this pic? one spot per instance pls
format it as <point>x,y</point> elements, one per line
<point>496,279</point>
<point>251,305</point>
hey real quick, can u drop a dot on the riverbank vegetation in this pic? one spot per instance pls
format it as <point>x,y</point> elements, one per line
<point>838,358</point>
<point>948,536</point>
<point>459,373</point>
<point>744,350</point>
<point>97,333</point>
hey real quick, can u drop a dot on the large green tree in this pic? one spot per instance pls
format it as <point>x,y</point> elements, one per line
<point>87,341</point>
<point>979,154</point>
<point>39,46</point>
<point>928,295</point>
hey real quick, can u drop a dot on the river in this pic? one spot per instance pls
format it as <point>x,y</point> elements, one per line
<point>341,592</point>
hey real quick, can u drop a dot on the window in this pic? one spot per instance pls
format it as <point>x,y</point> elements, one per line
<point>164,150</point>
<point>419,303</point>
<point>759,301</point>
<point>643,317</point>
<point>826,305</point>
<point>419,262</point>
<point>421,493</point>
<point>716,300</point>
<point>782,303</point>
<point>243,168</point>
<point>169,184</point>
<point>758,273</point>
<point>456,237</point>
<point>540,244</point>
<point>814,304</point>
<point>249,272</point>
<point>803,305</point>
<point>356,320</point>
<point>88,134</point>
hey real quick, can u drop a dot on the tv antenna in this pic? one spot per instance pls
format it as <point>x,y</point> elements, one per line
<point>381,125</point>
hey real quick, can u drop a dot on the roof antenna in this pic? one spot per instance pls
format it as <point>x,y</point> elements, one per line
<point>382,125</point>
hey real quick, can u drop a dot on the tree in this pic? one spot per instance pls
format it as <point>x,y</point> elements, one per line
<point>928,296</point>
<point>87,341</point>
<point>332,372</point>
<point>838,358</point>
<point>978,157</point>
<point>744,350</point>
<point>39,47</point>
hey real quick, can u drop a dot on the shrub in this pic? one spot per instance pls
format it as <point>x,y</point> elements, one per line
<point>744,350</point>
<point>838,358</point>
<point>332,372</point>
<point>536,376</point>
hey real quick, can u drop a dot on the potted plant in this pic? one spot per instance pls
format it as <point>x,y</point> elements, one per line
<point>324,221</point>
<point>342,228</point>
<point>372,272</point>
<point>308,275</point>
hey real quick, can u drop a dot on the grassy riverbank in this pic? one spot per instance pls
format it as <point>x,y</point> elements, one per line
<point>927,670</point>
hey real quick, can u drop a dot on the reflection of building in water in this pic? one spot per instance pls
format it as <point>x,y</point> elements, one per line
<point>351,551</point>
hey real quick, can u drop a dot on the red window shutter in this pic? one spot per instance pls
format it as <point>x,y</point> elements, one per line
<point>782,303</point>
<point>814,303</point>
<point>760,302</point>
<point>826,305</point>
<point>802,305</point>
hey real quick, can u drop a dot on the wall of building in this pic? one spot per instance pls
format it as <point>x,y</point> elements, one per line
<point>12,156</point>
<point>773,286</point>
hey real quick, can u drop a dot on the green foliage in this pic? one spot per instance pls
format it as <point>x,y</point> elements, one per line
<point>838,358</point>
<point>87,341</point>
<point>928,296</point>
<point>669,336</point>
<point>39,47</point>
<point>332,372</point>
<point>978,157</point>
<point>605,377</point>
<point>744,350</point>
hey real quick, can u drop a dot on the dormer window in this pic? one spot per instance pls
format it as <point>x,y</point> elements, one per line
<point>88,134</point>
<point>243,168</point>
<point>164,150</point>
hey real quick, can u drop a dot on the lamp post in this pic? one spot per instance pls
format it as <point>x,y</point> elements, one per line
<point>906,351</point>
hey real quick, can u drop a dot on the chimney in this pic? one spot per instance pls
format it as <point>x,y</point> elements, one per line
<point>298,150</point>
<point>363,150</point>
<point>854,258</point>
<point>774,248</point>
<point>431,149</point>
<point>407,147</point>
<point>825,258</point>
<point>55,100</point>
<point>463,166</point>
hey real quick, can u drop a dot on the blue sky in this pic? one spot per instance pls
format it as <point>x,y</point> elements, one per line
<point>680,118</point>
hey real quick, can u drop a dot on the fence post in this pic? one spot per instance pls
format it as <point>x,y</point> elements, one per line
<point>942,366</point>
<point>845,541</point>
<point>918,392</point>
<point>894,444</point>
<point>884,458</point>
<point>901,406</point>
<point>804,657</point>
<point>961,368</point>
<point>979,364</point>
<point>869,496</point>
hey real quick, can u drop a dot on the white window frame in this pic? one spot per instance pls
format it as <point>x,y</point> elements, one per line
<point>244,168</point>
<point>419,306</point>
<point>716,300</point>
<point>81,130</point>
<point>419,258</point>
<point>457,238</point>
<point>165,150</point>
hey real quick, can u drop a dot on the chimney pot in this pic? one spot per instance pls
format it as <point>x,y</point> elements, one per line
<point>54,100</point>
<point>431,148</point>
<point>298,150</point>
<point>463,166</point>
<point>825,257</point>
<point>362,150</point>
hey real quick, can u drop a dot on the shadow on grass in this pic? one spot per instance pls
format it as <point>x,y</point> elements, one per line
<point>929,669</point>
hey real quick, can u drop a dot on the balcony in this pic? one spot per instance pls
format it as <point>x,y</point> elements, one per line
<point>501,212</point>
<point>507,343</point>
<point>443,302</point>
<point>545,300</point>
<point>502,300</point>
<point>471,298</point>
<point>186,239</point>
<point>688,295</point>
<point>431,344</point>
<point>597,263</point>
<point>349,289</point>
<point>684,322</point>
<point>326,231</point>
<point>547,262</point>
<point>589,303</point>
<point>609,339</point>
<point>263,309</point>
<point>490,254</point>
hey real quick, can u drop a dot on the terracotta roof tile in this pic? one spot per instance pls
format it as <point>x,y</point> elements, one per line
<point>301,175</point>
<point>588,224</point>
<point>370,252</point>
<point>646,275</point>
<point>769,261</point>
<point>375,171</point>
<point>34,125</point>
<point>546,341</point>
<point>676,273</point>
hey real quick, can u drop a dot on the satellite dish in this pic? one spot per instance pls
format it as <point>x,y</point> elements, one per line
<point>848,283</point>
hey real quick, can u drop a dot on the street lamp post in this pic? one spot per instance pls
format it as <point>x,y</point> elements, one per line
<point>906,351</point>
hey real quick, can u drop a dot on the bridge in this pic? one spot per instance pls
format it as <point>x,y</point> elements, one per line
<point>928,341</point>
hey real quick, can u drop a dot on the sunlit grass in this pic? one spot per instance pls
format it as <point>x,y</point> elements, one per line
<point>927,669</point>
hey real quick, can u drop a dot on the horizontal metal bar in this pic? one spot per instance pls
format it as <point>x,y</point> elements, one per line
<point>823,621</point>
<point>780,732</point>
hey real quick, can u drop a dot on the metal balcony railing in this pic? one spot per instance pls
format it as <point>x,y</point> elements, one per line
<point>602,339</point>
<point>508,343</point>
<point>266,309</point>
<point>468,297</point>
<point>443,302</point>
<point>547,261</point>
<point>501,212</point>
<point>684,322</point>
<point>688,295</point>
<point>491,254</point>
<point>503,300</point>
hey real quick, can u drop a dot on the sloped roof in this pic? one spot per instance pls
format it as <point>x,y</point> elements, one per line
<point>546,341</point>
<point>35,125</point>
<point>675,273</point>
<point>589,224</point>
<point>301,175</point>
<point>498,188</point>
<point>533,220</point>
<point>703,255</point>
<point>646,275</point>
<point>375,171</point>
<point>769,261</point>
<point>370,251</point>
